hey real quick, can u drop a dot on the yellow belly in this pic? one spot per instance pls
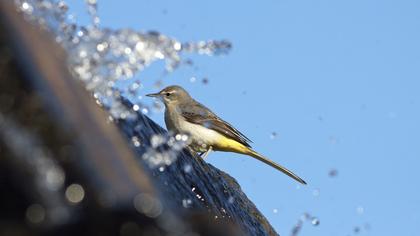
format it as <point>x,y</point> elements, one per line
<point>201,138</point>
<point>229,145</point>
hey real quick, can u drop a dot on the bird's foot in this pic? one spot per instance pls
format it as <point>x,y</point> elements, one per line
<point>206,153</point>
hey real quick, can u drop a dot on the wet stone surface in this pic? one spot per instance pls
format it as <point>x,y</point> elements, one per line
<point>190,183</point>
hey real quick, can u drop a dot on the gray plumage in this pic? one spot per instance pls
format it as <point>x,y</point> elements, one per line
<point>206,130</point>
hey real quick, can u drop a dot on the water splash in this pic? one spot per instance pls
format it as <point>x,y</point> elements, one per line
<point>108,62</point>
<point>164,150</point>
<point>100,57</point>
<point>306,217</point>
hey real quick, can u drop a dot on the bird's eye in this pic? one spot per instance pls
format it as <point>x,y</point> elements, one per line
<point>167,94</point>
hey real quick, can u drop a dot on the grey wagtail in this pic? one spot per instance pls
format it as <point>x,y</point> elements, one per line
<point>206,130</point>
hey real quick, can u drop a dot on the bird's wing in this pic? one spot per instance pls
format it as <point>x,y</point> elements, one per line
<point>199,114</point>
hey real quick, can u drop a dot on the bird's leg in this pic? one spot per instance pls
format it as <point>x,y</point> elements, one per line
<point>207,152</point>
<point>194,153</point>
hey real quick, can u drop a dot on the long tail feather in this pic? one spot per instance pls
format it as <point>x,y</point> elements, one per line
<point>275,165</point>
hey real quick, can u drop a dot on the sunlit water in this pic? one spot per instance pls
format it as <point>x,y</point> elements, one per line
<point>101,57</point>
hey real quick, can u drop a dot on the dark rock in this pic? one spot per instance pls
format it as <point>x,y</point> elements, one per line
<point>207,187</point>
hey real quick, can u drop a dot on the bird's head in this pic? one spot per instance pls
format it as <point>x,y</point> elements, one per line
<point>171,95</point>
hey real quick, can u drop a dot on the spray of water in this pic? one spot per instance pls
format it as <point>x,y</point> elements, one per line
<point>101,57</point>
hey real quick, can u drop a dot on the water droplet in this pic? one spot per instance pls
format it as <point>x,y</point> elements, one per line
<point>54,178</point>
<point>273,135</point>
<point>127,50</point>
<point>193,79</point>
<point>148,205</point>
<point>177,46</point>
<point>35,213</point>
<point>305,216</point>
<point>275,211</point>
<point>82,53</point>
<point>184,137</point>
<point>186,203</point>
<point>333,140</point>
<point>159,55</point>
<point>315,192</point>
<point>140,46</point>
<point>26,7</point>
<point>136,141</point>
<point>360,210</point>
<point>62,6</point>
<point>75,193</point>
<point>187,168</point>
<point>101,46</point>
<point>315,221</point>
<point>231,199</point>
<point>333,173</point>
<point>156,140</point>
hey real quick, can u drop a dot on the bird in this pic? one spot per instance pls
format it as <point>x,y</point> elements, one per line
<point>206,131</point>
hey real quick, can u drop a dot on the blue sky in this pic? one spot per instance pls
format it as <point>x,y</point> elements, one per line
<point>338,81</point>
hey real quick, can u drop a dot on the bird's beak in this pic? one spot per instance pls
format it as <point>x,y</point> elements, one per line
<point>153,95</point>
